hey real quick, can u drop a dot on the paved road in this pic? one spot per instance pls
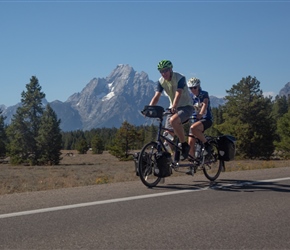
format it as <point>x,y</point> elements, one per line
<point>242,210</point>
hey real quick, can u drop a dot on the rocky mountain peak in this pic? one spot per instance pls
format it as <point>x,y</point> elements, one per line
<point>109,101</point>
<point>124,71</point>
<point>285,90</point>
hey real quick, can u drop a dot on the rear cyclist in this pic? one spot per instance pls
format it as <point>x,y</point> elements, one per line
<point>202,116</point>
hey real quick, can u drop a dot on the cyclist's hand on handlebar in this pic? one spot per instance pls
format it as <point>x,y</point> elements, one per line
<point>173,110</point>
<point>143,112</point>
<point>199,116</point>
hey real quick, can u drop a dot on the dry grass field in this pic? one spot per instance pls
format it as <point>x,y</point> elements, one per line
<point>88,169</point>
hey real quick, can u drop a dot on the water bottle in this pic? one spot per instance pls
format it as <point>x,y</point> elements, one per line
<point>166,144</point>
<point>197,150</point>
<point>168,136</point>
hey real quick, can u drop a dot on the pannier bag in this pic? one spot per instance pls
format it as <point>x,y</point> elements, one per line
<point>153,111</point>
<point>145,161</point>
<point>226,147</point>
<point>163,169</point>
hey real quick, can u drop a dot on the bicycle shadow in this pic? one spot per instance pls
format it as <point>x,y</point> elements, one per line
<point>181,186</point>
<point>230,185</point>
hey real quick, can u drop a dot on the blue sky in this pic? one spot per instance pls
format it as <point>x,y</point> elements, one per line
<point>67,43</point>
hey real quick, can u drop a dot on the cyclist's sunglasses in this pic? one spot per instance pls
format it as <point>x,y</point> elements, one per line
<point>193,87</point>
<point>164,70</point>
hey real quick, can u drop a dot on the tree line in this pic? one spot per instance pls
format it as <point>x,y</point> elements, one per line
<point>260,125</point>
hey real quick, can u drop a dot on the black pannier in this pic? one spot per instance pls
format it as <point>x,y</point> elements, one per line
<point>226,147</point>
<point>163,169</point>
<point>153,111</point>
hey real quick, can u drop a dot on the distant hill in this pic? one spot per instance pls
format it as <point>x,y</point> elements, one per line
<point>216,102</point>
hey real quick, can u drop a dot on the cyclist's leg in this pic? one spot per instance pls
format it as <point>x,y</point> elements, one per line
<point>197,129</point>
<point>176,120</point>
<point>191,142</point>
<point>182,115</point>
<point>191,138</point>
<point>176,124</point>
<point>168,125</point>
<point>206,124</point>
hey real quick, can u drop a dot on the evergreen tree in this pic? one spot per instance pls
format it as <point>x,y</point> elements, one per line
<point>2,136</point>
<point>217,119</point>
<point>97,144</point>
<point>49,138</point>
<point>280,107</point>
<point>126,139</point>
<point>82,146</point>
<point>247,116</point>
<point>18,139</point>
<point>24,126</point>
<point>283,130</point>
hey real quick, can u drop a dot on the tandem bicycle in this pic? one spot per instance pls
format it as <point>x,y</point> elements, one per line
<point>154,162</point>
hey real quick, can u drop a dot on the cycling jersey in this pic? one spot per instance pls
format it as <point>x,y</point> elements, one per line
<point>177,82</point>
<point>197,100</point>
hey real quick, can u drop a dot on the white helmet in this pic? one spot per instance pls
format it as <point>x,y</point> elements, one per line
<point>193,82</point>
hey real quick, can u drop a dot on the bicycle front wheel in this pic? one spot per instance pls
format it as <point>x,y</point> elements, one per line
<point>212,164</point>
<point>147,165</point>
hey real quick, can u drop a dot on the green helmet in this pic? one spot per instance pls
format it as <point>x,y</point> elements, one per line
<point>164,64</point>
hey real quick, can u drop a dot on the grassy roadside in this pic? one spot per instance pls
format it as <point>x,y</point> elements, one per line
<point>82,170</point>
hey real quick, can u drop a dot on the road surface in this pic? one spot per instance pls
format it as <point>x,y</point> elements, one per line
<point>242,210</point>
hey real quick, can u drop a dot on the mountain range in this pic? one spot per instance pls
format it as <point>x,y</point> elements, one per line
<point>108,102</point>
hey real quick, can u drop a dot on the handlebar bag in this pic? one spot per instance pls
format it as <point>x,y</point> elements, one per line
<point>153,111</point>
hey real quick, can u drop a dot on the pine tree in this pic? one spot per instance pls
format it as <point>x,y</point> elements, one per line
<point>126,139</point>
<point>2,136</point>
<point>97,144</point>
<point>217,119</point>
<point>24,126</point>
<point>280,107</point>
<point>49,138</point>
<point>82,146</point>
<point>283,130</point>
<point>247,116</point>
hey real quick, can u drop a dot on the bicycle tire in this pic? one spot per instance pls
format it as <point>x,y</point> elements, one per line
<point>147,164</point>
<point>213,166</point>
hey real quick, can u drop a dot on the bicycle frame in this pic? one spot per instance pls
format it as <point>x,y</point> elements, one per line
<point>160,145</point>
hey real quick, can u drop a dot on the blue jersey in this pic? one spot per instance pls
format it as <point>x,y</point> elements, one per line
<point>197,100</point>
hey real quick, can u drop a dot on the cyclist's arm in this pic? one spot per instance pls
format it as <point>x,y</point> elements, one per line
<point>204,107</point>
<point>176,98</point>
<point>180,86</point>
<point>155,98</point>
<point>157,95</point>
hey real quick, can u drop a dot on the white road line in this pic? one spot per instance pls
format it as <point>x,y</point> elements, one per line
<point>51,209</point>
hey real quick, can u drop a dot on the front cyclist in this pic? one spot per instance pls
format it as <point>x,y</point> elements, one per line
<point>174,84</point>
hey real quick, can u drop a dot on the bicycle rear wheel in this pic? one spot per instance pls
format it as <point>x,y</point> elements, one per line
<point>212,164</point>
<point>147,164</point>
